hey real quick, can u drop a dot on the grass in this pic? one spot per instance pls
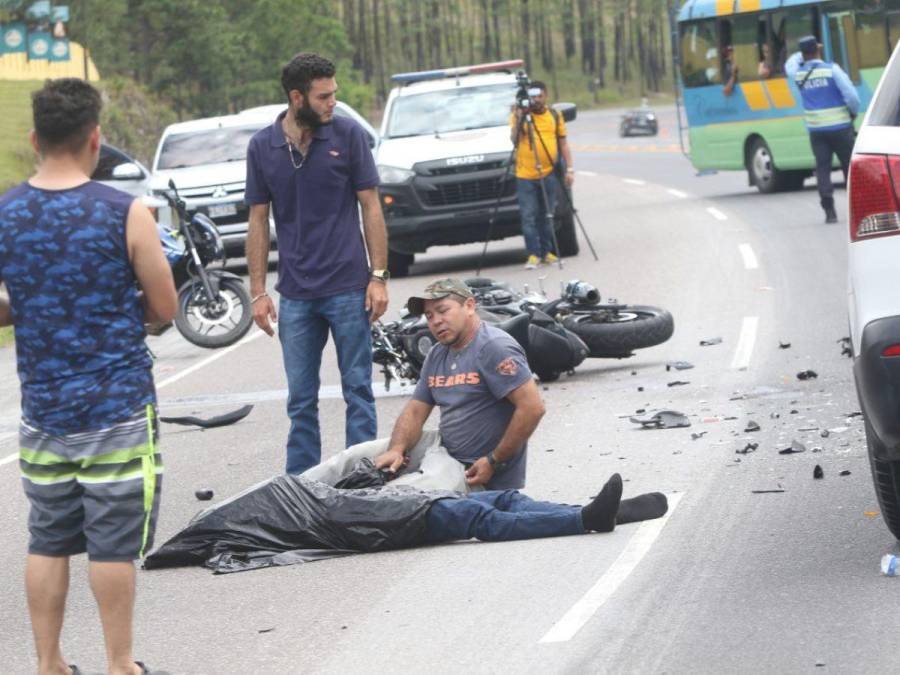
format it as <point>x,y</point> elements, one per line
<point>15,123</point>
<point>6,336</point>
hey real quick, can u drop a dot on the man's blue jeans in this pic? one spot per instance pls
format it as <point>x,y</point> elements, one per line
<point>303,327</point>
<point>537,230</point>
<point>504,515</point>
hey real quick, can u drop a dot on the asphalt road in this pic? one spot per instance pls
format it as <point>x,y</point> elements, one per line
<point>731,581</point>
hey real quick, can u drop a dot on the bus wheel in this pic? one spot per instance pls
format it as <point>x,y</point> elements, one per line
<point>763,173</point>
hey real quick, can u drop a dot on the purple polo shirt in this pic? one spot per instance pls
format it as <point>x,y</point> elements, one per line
<point>321,250</point>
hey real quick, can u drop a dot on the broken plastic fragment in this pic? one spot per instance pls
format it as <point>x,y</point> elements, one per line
<point>784,345</point>
<point>709,342</point>
<point>751,426</point>
<point>796,447</point>
<point>679,365</point>
<point>204,495</point>
<point>696,436</point>
<point>677,383</point>
<point>750,447</point>
<point>661,419</point>
<point>870,514</point>
<point>765,492</point>
<point>825,433</point>
<point>807,375</point>
<point>212,422</point>
<point>845,472</point>
<point>818,474</point>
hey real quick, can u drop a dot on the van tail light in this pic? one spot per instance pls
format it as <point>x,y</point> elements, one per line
<point>874,185</point>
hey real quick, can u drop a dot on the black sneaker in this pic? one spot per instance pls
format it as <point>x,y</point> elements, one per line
<point>830,216</point>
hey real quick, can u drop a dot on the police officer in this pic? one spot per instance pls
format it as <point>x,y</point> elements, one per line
<point>830,103</point>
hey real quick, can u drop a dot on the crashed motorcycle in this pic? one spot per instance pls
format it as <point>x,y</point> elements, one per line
<point>213,304</point>
<point>556,335</point>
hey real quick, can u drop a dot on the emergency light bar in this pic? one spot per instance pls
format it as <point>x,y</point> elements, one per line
<point>422,75</point>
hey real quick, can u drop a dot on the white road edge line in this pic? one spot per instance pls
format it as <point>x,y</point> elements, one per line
<point>715,213</point>
<point>184,373</point>
<point>744,350</point>
<point>209,359</point>
<point>586,173</point>
<point>588,605</point>
<point>634,181</point>
<point>677,193</point>
<point>750,262</point>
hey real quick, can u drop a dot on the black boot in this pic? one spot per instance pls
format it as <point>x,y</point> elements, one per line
<point>830,213</point>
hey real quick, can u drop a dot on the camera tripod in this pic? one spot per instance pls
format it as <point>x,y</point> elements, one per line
<point>526,121</point>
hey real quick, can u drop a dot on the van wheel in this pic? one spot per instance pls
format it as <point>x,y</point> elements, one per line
<point>398,263</point>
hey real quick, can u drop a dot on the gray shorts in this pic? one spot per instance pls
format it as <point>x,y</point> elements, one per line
<point>96,491</point>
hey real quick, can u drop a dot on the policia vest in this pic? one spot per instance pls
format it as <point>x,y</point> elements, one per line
<point>823,103</point>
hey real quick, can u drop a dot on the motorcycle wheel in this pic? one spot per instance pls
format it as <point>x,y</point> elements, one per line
<point>637,327</point>
<point>217,324</point>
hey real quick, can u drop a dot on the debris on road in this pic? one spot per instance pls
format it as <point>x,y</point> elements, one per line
<point>774,415</point>
<point>678,365</point>
<point>796,447</point>
<point>889,565</point>
<point>640,389</point>
<point>818,474</point>
<point>751,427</point>
<point>784,345</point>
<point>846,347</point>
<point>204,495</point>
<point>807,375</point>
<point>677,383</point>
<point>750,447</point>
<point>212,422</point>
<point>845,472</point>
<point>266,630</point>
<point>709,342</point>
<point>808,429</point>
<point>825,433</point>
<point>697,436</point>
<point>766,492</point>
<point>661,419</point>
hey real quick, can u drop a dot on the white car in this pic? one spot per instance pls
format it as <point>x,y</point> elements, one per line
<point>207,160</point>
<point>874,303</point>
<point>121,171</point>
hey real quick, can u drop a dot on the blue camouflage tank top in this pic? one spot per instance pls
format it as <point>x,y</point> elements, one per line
<point>80,350</point>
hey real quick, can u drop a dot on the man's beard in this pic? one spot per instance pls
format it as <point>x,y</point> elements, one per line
<point>307,117</point>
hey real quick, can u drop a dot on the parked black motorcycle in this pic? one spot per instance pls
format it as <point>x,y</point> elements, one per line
<point>213,304</point>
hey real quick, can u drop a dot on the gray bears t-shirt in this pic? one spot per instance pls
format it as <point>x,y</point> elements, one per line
<point>470,387</point>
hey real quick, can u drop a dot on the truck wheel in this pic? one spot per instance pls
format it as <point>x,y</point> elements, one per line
<point>886,477</point>
<point>398,263</point>
<point>566,238</point>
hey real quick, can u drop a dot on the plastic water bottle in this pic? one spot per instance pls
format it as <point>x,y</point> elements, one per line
<point>889,565</point>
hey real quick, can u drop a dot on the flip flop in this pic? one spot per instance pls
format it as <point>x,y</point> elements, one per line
<point>661,419</point>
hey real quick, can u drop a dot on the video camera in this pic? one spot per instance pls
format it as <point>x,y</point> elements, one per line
<point>525,92</point>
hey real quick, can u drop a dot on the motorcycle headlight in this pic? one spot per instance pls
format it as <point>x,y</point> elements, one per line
<point>393,174</point>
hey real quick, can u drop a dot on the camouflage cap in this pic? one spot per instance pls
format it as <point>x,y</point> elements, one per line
<point>437,290</point>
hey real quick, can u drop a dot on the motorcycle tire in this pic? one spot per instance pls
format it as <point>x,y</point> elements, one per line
<point>640,327</point>
<point>193,317</point>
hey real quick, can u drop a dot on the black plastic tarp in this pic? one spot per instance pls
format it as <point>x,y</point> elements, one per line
<point>291,519</point>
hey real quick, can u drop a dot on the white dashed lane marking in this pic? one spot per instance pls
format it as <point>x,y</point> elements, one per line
<point>746,341</point>
<point>715,213</point>
<point>749,257</point>
<point>677,193</point>
<point>634,181</point>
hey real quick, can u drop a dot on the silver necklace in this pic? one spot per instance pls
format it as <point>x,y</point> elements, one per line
<point>290,147</point>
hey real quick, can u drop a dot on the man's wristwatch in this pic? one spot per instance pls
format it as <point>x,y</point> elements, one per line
<point>380,275</point>
<point>496,464</point>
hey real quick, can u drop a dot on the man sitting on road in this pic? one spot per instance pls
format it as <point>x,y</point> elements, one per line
<point>478,376</point>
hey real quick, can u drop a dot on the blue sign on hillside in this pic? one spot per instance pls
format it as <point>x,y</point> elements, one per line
<point>14,38</point>
<point>39,46</point>
<point>38,10</point>
<point>59,49</point>
<point>60,13</point>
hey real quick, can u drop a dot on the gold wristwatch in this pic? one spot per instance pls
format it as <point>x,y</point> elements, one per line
<point>380,275</point>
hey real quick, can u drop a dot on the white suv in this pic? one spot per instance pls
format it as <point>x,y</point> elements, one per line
<point>874,303</point>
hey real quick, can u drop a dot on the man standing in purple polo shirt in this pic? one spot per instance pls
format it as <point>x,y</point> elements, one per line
<point>314,168</point>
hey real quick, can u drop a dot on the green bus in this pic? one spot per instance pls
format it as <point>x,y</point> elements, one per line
<point>739,109</point>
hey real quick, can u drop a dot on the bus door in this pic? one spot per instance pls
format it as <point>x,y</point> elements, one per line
<point>839,40</point>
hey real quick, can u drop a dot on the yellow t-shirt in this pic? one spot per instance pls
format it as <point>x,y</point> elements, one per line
<point>545,125</point>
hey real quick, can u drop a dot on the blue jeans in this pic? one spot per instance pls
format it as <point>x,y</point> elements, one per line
<point>303,330</point>
<point>535,226</point>
<point>495,515</point>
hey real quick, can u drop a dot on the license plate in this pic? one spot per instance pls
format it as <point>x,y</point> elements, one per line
<point>222,210</point>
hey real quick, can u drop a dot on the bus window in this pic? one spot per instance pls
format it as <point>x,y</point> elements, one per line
<point>843,43</point>
<point>788,26</point>
<point>699,54</point>
<point>871,37</point>
<point>893,29</point>
<point>745,38</point>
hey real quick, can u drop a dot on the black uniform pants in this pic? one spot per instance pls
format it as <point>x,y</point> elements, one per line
<point>824,145</point>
